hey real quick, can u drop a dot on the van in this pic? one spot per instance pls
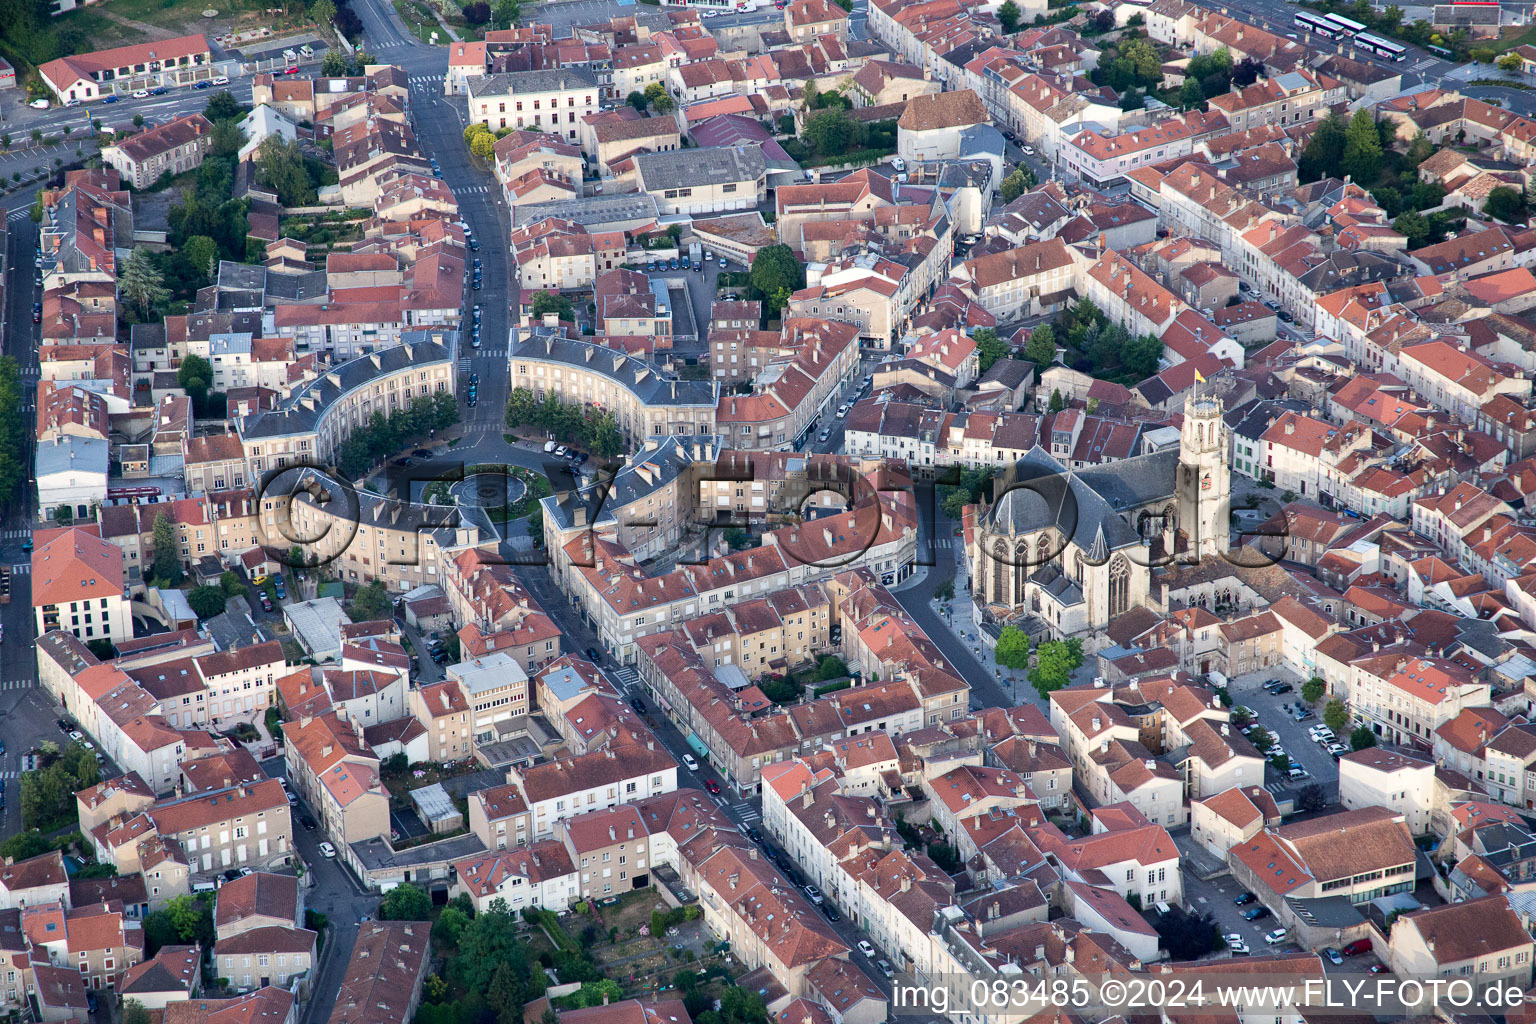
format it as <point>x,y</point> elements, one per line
<point>1357,948</point>
<point>290,56</point>
<point>898,163</point>
<point>200,887</point>
<point>1163,908</point>
<point>306,50</point>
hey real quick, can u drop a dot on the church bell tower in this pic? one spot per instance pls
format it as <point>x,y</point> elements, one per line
<point>1204,479</point>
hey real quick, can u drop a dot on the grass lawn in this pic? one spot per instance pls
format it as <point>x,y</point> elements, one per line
<point>187,15</point>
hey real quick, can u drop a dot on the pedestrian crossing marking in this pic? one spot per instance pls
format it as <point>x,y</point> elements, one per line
<point>22,568</point>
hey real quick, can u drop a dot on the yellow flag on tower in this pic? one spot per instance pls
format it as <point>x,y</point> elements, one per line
<point>1199,379</point>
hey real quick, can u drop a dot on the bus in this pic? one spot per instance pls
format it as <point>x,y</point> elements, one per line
<point>1316,24</point>
<point>1348,26</point>
<point>1441,51</point>
<point>1381,47</point>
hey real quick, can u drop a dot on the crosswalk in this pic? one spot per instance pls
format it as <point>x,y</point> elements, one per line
<point>465,364</point>
<point>746,812</point>
<point>22,568</point>
<point>10,775</point>
<point>627,677</point>
<point>17,684</point>
<point>426,80</point>
<point>472,189</point>
<point>15,534</point>
<point>1420,65</point>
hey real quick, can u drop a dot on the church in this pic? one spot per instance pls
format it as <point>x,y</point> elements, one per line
<point>1075,548</point>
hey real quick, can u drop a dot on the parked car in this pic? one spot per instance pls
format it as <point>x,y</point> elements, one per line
<point>1378,969</point>
<point>158,90</point>
<point>201,85</point>
<point>866,948</point>
<point>111,97</point>
<point>1244,899</point>
<point>884,968</point>
<point>38,104</point>
<point>754,835</point>
<point>831,912</point>
<point>328,851</point>
<point>1275,937</point>
<point>37,312</point>
<point>141,94</point>
<point>1255,913</point>
<point>813,894</point>
<point>712,785</point>
<point>1333,955</point>
<point>690,763</point>
<point>221,80</point>
<point>307,822</point>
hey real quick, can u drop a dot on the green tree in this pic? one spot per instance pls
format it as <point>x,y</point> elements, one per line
<point>520,407</point>
<point>182,921</point>
<point>206,601</point>
<point>1057,403</point>
<point>1414,225</point>
<point>203,253</point>
<point>1509,62</point>
<point>134,1012</point>
<point>637,100</point>
<point>1313,689</point>
<point>1324,153</point>
<point>1391,18</point>
<point>989,348</point>
<point>1012,648</point>
<point>1190,93</point>
<point>371,603</point>
<point>1141,355</point>
<point>1362,150</point>
<point>1008,16</point>
<point>14,466</point>
<point>1335,716</point>
<point>1041,349</point>
<point>323,11</point>
<point>1506,204</point>
<point>775,274</point>
<point>166,563</point>
<point>1362,737</point>
<point>280,166</point>
<point>1055,661</point>
<point>483,146</point>
<point>1016,184</point>
<point>195,377</point>
<point>232,585</point>
<point>1419,150</point>
<point>553,302</point>
<point>333,64</point>
<point>506,13</point>
<point>656,91</point>
<point>222,106</point>
<point>406,902</point>
<point>141,281</point>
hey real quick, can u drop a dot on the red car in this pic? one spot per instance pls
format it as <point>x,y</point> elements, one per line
<point>712,785</point>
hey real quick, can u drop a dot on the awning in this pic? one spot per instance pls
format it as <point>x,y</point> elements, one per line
<point>698,746</point>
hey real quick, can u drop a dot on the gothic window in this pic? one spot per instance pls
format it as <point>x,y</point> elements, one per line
<point>1043,549</point>
<point>1034,600</point>
<point>1119,586</point>
<point>1000,572</point>
<point>1200,435</point>
<point>1077,567</point>
<point>1020,570</point>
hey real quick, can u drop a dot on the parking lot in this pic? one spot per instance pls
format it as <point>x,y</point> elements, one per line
<point>1275,713</point>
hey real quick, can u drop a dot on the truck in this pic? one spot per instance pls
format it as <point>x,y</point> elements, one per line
<point>695,252</point>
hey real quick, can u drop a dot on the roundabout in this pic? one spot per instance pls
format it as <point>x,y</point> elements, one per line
<point>488,490</point>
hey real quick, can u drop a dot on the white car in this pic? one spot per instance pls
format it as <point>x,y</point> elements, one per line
<point>292,799</point>
<point>1275,937</point>
<point>842,412</point>
<point>549,446</point>
<point>141,94</point>
<point>866,948</point>
<point>1028,150</point>
<point>1238,947</point>
<point>329,853</point>
<point>76,735</point>
<point>221,80</point>
<point>690,763</point>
